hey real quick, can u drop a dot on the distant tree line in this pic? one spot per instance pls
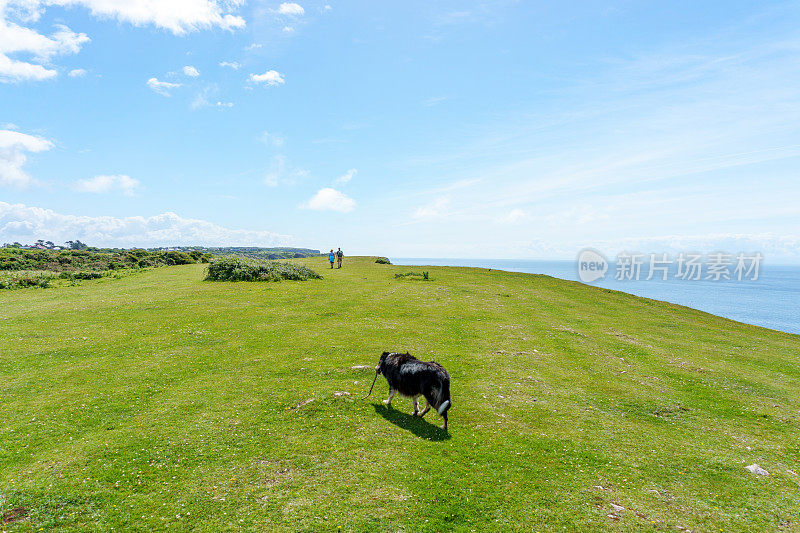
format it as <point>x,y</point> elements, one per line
<point>252,252</point>
<point>255,252</point>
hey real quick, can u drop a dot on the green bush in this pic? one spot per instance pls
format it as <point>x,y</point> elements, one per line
<point>383,261</point>
<point>81,275</point>
<point>232,268</point>
<point>414,275</point>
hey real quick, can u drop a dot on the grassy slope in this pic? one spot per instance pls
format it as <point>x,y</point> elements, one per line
<point>160,401</point>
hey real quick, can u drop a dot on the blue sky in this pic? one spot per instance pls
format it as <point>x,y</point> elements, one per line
<point>422,129</point>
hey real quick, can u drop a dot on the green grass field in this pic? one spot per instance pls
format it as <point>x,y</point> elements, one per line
<point>162,402</point>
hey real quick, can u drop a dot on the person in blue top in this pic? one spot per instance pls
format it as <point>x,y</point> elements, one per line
<point>332,258</point>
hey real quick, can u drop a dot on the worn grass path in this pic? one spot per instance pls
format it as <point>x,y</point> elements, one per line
<point>163,402</point>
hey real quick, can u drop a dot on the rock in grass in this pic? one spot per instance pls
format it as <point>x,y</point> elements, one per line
<point>617,508</point>
<point>304,402</point>
<point>757,470</point>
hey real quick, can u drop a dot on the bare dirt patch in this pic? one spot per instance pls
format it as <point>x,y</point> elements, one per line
<point>14,515</point>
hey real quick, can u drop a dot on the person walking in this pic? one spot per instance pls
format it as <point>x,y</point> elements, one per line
<point>332,258</point>
<point>339,257</point>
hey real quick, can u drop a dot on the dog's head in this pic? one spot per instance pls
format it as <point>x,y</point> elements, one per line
<point>382,362</point>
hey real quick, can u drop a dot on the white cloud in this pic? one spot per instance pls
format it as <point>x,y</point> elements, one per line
<point>515,216</point>
<point>13,146</point>
<point>225,104</point>
<point>231,64</point>
<point>77,73</point>
<point>329,199</point>
<point>190,71</point>
<point>327,7</point>
<point>162,87</point>
<point>13,70</point>
<point>177,16</point>
<point>347,176</point>
<point>16,39</point>
<point>107,183</point>
<point>270,78</point>
<point>23,223</point>
<point>436,209</point>
<point>291,9</point>
<point>253,46</point>
<point>288,29</point>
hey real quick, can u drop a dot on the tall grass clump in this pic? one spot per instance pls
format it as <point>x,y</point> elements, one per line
<point>232,268</point>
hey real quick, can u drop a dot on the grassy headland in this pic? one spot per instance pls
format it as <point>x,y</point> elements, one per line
<point>161,402</point>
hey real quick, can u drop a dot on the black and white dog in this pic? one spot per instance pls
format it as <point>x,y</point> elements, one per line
<point>412,378</point>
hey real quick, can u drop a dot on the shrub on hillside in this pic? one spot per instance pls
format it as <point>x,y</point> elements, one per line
<point>232,268</point>
<point>22,280</point>
<point>383,261</point>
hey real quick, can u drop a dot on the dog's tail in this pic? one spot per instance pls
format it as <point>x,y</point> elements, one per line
<point>444,396</point>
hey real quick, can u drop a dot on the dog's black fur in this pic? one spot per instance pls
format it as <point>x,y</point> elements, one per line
<point>411,377</point>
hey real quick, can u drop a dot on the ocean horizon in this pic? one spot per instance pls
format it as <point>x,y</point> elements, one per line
<point>772,301</point>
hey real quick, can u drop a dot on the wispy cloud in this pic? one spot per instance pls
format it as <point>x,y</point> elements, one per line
<point>281,172</point>
<point>433,100</point>
<point>346,177</point>
<point>439,208</point>
<point>626,149</point>
<point>272,140</point>
<point>515,216</point>
<point>108,183</point>
<point>162,87</point>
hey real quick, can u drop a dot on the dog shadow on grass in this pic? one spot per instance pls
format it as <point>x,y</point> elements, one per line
<point>416,425</point>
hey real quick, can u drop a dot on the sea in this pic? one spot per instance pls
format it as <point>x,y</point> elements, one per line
<point>772,301</point>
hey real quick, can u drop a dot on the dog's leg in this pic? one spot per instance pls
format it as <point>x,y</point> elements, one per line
<point>427,408</point>
<point>416,406</point>
<point>444,415</point>
<point>388,401</point>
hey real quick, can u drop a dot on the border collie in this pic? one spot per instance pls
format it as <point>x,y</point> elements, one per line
<point>413,378</point>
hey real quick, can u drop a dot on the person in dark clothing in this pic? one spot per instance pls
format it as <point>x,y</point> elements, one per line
<point>339,257</point>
